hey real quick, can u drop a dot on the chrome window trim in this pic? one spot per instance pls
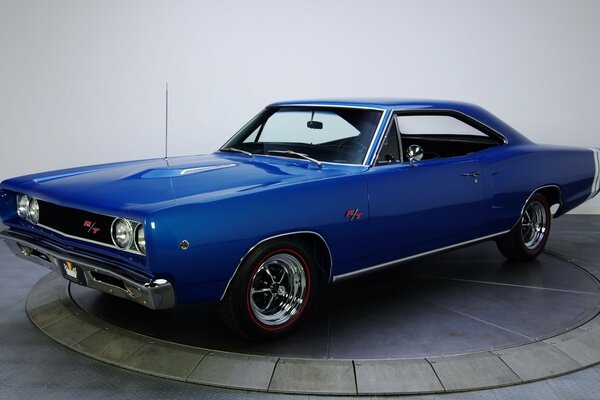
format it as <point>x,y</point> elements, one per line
<point>451,111</point>
<point>400,147</point>
<point>384,114</point>
<point>370,158</point>
<point>415,111</point>
<point>333,105</point>
<point>362,271</point>
<point>377,137</point>
<point>388,126</point>
<point>275,237</point>
<point>242,128</point>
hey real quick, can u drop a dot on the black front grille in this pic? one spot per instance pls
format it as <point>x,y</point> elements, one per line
<point>77,223</point>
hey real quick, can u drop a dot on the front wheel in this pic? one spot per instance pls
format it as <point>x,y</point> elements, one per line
<point>528,237</point>
<point>271,292</point>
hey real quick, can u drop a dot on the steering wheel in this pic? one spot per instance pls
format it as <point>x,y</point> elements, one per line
<point>350,144</point>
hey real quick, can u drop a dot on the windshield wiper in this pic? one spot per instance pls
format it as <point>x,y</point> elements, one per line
<point>234,150</point>
<point>296,154</point>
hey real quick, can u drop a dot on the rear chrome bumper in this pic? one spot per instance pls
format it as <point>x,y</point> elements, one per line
<point>156,294</point>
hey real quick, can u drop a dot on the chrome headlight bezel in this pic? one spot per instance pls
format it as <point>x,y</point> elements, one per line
<point>28,208</point>
<point>128,235</point>
<point>33,211</point>
<point>22,205</point>
<point>122,233</point>
<point>140,239</point>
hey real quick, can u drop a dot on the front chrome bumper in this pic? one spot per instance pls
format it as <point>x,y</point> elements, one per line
<point>155,294</point>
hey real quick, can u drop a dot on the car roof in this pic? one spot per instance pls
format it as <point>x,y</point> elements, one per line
<point>387,103</point>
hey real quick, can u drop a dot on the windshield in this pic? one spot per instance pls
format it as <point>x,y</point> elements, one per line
<point>324,134</point>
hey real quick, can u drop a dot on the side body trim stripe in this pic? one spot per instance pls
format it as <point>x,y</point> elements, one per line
<point>596,182</point>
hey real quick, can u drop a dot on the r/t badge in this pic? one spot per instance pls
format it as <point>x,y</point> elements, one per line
<point>353,215</point>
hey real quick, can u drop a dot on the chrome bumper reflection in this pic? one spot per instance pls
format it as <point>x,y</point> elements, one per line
<point>155,294</point>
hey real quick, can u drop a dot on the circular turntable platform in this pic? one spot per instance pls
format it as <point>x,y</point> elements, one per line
<point>461,320</point>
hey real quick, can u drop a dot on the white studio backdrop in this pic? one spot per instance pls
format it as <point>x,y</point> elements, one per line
<point>82,82</point>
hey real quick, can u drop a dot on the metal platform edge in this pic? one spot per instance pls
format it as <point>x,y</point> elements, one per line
<point>51,309</point>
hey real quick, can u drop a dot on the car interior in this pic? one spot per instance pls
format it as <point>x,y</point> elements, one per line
<point>433,138</point>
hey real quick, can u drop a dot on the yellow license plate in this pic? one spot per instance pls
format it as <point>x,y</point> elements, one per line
<point>73,273</point>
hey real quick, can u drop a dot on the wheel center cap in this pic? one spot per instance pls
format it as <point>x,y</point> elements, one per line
<point>281,290</point>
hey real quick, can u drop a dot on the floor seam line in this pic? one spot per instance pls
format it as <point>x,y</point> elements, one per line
<point>549,342</point>
<point>355,377</point>
<point>435,372</point>
<point>485,322</point>
<point>272,375</point>
<point>48,325</point>
<point>506,284</point>
<point>120,362</point>
<point>87,336</point>
<point>508,366</point>
<point>187,378</point>
<point>329,325</point>
<point>44,303</point>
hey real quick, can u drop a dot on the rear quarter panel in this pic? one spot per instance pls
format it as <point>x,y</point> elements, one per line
<point>513,173</point>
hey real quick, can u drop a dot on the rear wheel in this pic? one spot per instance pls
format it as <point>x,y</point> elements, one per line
<point>271,292</point>
<point>528,237</point>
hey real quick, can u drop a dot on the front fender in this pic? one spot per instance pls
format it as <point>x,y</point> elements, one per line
<point>221,232</point>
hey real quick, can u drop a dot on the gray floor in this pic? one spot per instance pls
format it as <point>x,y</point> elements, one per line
<point>422,309</point>
<point>33,366</point>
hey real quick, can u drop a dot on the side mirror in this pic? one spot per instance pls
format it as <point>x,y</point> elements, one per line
<point>414,153</point>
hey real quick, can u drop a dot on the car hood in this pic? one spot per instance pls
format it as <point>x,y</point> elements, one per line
<point>148,185</point>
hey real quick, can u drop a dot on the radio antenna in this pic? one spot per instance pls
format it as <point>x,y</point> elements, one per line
<point>166,120</point>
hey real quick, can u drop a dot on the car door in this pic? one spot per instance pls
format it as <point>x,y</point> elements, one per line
<point>423,205</point>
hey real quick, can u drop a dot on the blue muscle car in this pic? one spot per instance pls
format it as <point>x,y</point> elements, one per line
<point>305,194</point>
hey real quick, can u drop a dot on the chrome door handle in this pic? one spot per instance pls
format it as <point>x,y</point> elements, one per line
<point>474,175</point>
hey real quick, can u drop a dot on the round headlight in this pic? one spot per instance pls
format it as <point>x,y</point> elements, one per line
<point>33,211</point>
<point>22,205</point>
<point>140,238</point>
<point>122,233</point>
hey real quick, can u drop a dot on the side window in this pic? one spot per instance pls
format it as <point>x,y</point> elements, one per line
<point>442,136</point>
<point>390,150</point>
<point>435,125</point>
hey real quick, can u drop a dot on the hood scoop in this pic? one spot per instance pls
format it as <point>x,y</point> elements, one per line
<point>65,175</point>
<point>179,172</point>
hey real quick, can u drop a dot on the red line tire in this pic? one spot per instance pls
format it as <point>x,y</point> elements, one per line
<point>272,291</point>
<point>528,237</point>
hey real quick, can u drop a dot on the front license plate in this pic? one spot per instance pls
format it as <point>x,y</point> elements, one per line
<point>72,272</point>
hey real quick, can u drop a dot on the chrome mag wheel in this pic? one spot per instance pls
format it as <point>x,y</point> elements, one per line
<point>534,224</point>
<point>273,291</point>
<point>278,289</point>
<point>527,239</point>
